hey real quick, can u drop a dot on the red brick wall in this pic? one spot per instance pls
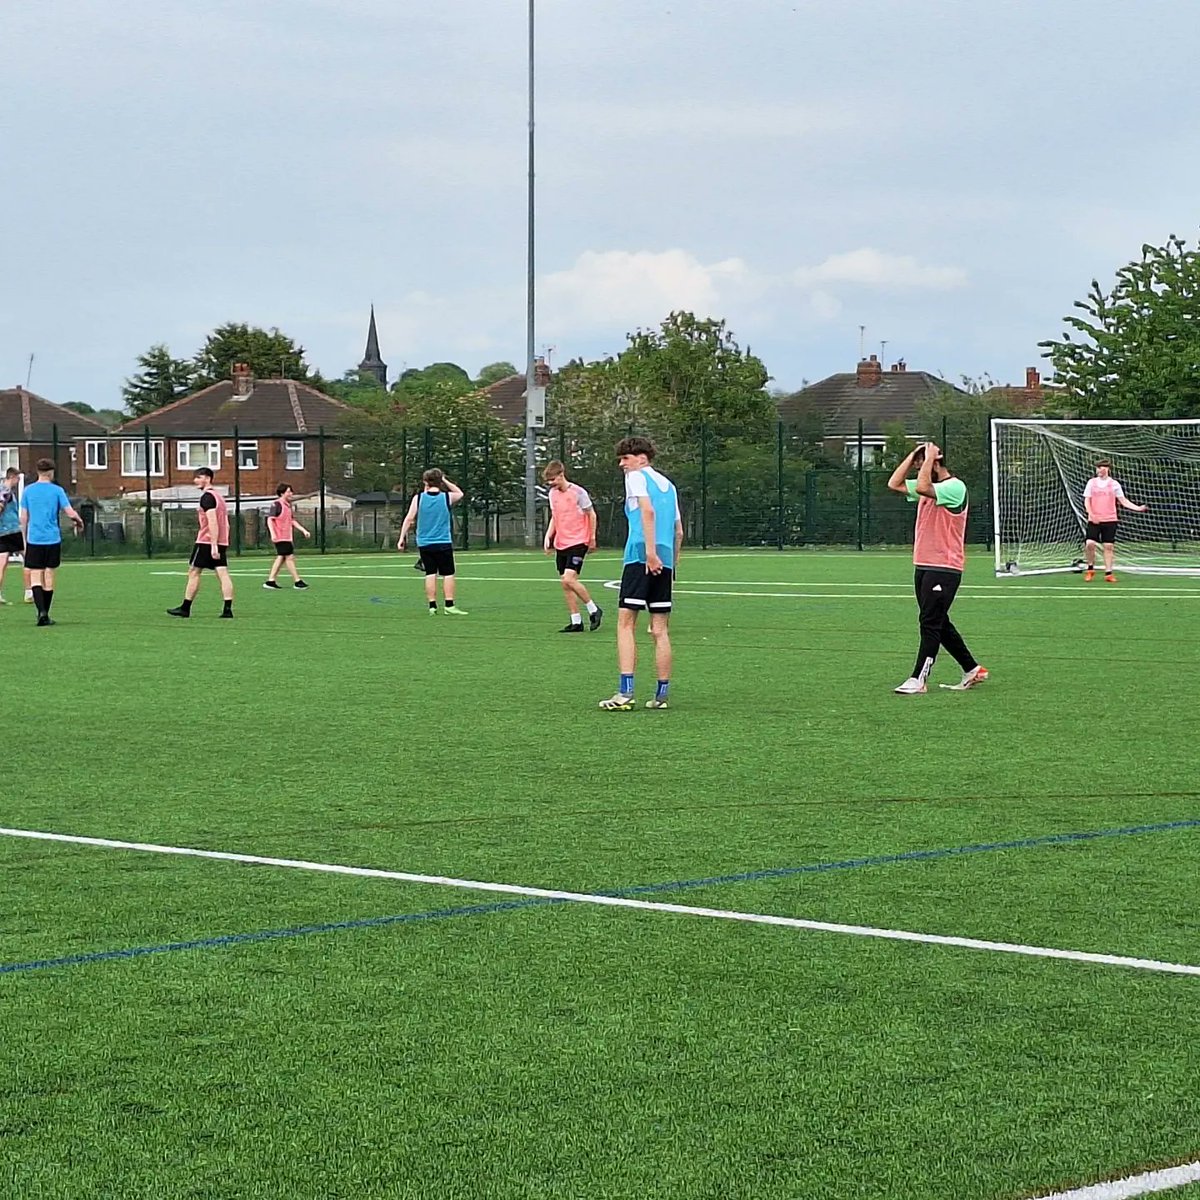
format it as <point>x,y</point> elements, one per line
<point>109,483</point>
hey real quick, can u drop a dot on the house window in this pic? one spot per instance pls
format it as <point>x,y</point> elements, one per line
<point>133,458</point>
<point>348,468</point>
<point>190,455</point>
<point>95,456</point>
<point>248,456</point>
<point>10,456</point>
<point>869,454</point>
<point>293,456</point>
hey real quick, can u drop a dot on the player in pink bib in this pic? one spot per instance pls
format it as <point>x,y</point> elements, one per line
<point>281,522</point>
<point>1100,499</point>
<point>571,534</point>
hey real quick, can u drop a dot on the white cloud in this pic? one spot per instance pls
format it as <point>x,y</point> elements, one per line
<point>867,267</point>
<point>612,289</point>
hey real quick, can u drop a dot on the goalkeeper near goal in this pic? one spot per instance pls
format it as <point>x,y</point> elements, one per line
<point>939,557</point>
<point>1101,496</point>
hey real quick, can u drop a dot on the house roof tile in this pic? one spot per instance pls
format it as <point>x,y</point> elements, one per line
<point>279,407</point>
<point>841,402</point>
<point>28,417</point>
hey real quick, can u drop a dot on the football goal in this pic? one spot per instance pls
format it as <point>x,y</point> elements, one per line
<point>1040,470</point>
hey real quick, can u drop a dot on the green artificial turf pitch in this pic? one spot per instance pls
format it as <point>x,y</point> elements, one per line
<point>565,1050</point>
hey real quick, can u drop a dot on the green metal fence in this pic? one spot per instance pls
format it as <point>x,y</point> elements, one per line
<point>776,488</point>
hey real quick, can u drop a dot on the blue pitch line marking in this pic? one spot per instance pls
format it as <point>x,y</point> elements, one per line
<point>479,910</point>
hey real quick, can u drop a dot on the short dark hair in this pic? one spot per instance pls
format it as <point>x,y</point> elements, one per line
<point>1103,463</point>
<point>636,445</point>
<point>434,478</point>
<point>203,471</point>
<point>44,465</point>
<point>919,458</point>
<point>281,488</point>
<point>11,473</point>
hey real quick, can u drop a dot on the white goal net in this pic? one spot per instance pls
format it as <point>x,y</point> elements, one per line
<point>1039,472</point>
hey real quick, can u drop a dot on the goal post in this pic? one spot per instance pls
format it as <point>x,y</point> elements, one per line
<point>1040,469</point>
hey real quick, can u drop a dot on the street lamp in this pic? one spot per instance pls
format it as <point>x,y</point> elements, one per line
<point>535,393</point>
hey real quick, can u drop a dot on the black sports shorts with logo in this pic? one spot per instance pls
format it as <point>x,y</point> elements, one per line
<point>571,559</point>
<point>641,591</point>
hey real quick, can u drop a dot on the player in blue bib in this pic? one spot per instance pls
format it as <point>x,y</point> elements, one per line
<point>651,552</point>
<point>430,511</point>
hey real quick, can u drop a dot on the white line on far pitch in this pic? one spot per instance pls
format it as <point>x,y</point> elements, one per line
<point>1134,1185</point>
<point>985,592</point>
<point>687,910</point>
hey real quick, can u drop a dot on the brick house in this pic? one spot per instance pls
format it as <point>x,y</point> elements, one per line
<point>257,432</point>
<point>878,397</point>
<point>1022,401</point>
<point>29,428</point>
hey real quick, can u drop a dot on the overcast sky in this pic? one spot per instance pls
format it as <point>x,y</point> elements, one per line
<point>948,173</point>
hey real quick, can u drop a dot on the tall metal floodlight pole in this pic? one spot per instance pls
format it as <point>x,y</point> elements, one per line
<point>530,415</point>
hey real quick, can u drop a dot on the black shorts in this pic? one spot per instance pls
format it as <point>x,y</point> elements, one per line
<point>437,560</point>
<point>202,557</point>
<point>571,559</point>
<point>285,549</point>
<point>11,543</point>
<point>641,591</point>
<point>1104,532</point>
<point>43,558</point>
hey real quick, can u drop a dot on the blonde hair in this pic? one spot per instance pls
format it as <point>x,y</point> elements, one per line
<point>553,470</point>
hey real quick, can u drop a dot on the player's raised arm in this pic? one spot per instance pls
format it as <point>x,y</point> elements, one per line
<point>409,518</point>
<point>1125,503</point>
<point>899,479</point>
<point>453,492</point>
<point>925,474</point>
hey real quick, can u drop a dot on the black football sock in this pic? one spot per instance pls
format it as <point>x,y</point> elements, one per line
<point>433,605</point>
<point>228,607</point>
<point>450,604</point>
<point>49,599</point>
<point>39,599</point>
<point>186,606</point>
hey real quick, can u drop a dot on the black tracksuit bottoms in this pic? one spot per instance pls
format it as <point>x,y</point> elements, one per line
<point>935,593</point>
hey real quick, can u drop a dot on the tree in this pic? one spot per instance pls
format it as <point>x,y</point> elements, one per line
<point>416,381</point>
<point>1134,351</point>
<point>360,389</point>
<point>494,372</point>
<point>161,380</point>
<point>690,372</point>
<point>269,353</point>
<point>78,406</point>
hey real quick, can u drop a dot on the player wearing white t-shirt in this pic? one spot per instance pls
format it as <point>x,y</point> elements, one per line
<point>1101,497</point>
<point>651,553</point>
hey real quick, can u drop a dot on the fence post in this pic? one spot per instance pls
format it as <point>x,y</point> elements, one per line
<point>54,449</point>
<point>945,436</point>
<point>858,478</point>
<point>321,486</point>
<point>704,486</point>
<point>562,443</point>
<point>148,533</point>
<point>466,505</point>
<point>779,484</point>
<point>237,495</point>
<point>487,475</point>
<point>428,448</point>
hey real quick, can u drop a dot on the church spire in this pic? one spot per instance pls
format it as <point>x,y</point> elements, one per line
<point>372,364</point>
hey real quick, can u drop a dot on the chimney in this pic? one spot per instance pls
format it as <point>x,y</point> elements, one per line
<point>870,372</point>
<point>902,366</point>
<point>243,380</point>
<point>1033,381</point>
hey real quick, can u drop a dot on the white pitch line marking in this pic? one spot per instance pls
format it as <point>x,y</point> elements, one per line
<point>687,910</point>
<point>985,592</point>
<point>1134,1185</point>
